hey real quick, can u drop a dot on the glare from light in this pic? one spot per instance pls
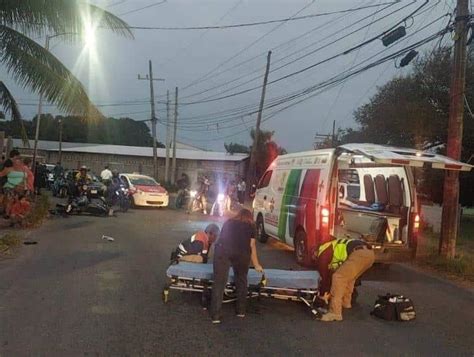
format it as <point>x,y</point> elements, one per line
<point>89,36</point>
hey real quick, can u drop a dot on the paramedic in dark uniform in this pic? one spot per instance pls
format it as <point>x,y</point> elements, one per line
<point>346,260</point>
<point>196,248</point>
<point>235,248</point>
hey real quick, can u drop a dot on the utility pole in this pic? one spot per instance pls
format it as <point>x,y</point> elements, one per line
<point>168,132</point>
<point>38,118</point>
<point>449,221</point>
<point>175,127</point>
<point>334,133</point>
<point>60,154</point>
<point>253,155</point>
<point>154,119</point>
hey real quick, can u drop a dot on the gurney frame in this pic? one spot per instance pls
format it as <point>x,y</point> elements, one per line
<point>307,296</point>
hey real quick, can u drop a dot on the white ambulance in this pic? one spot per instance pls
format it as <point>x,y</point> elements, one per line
<point>362,191</point>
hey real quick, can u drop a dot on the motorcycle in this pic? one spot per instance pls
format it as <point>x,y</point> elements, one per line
<point>182,198</point>
<point>195,202</point>
<point>83,204</point>
<point>60,187</point>
<point>218,207</point>
<point>123,198</point>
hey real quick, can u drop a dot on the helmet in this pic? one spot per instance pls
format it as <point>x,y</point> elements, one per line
<point>213,229</point>
<point>83,168</point>
<point>115,173</point>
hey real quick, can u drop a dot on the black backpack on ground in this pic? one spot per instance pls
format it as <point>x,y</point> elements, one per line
<point>394,308</point>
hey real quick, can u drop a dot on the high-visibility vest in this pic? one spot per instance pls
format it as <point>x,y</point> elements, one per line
<point>339,248</point>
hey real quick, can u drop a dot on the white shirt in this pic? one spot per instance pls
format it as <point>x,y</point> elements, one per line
<point>106,174</point>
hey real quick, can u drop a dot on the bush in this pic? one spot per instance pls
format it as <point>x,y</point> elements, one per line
<point>38,213</point>
<point>8,241</point>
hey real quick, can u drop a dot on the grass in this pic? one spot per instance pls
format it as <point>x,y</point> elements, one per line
<point>38,212</point>
<point>462,265</point>
<point>8,241</point>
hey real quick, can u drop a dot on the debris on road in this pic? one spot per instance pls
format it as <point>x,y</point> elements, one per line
<point>110,239</point>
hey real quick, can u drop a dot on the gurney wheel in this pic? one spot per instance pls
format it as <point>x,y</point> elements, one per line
<point>164,295</point>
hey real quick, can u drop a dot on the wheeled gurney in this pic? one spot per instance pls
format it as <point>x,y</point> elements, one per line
<point>273,283</point>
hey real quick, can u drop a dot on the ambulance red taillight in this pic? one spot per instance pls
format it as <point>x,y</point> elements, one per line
<point>416,224</point>
<point>325,216</point>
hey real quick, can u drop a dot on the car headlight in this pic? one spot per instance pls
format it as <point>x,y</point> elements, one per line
<point>220,197</point>
<point>193,193</point>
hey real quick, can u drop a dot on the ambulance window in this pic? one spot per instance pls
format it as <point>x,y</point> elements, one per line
<point>265,180</point>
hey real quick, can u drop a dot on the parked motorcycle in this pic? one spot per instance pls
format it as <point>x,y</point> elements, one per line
<point>60,187</point>
<point>123,198</point>
<point>182,198</point>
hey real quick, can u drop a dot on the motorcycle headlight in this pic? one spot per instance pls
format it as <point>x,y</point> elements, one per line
<point>84,187</point>
<point>193,193</point>
<point>220,197</point>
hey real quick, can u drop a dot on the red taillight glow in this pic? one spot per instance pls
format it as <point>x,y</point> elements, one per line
<point>325,215</point>
<point>416,224</point>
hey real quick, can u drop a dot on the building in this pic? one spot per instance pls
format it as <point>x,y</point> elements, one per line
<point>191,160</point>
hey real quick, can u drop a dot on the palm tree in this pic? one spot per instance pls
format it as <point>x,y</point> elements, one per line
<point>34,67</point>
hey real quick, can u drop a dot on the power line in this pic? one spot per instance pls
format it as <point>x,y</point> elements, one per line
<point>249,24</point>
<point>142,8</point>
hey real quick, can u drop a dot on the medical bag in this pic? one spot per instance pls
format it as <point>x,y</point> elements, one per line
<point>394,308</point>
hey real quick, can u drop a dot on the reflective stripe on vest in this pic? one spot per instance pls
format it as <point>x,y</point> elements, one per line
<point>339,248</point>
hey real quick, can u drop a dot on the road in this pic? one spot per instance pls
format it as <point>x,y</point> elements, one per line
<point>74,294</point>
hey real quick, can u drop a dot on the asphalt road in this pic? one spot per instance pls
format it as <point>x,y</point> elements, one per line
<point>74,294</point>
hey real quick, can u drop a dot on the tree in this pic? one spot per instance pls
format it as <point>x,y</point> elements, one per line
<point>123,131</point>
<point>267,150</point>
<point>34,67</point>
<point>234,148</point>
<point>412,111</point>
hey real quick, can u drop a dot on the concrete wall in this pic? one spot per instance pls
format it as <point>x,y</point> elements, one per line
<point>144,165</point>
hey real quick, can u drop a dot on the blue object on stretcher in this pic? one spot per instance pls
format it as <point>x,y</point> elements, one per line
<point>276,278</point>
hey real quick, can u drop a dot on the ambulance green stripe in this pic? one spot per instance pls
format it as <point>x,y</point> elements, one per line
<point>291,189</point>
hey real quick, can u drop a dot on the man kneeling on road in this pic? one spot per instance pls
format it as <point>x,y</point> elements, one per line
<point>346,260</point>
<point>196,248</point>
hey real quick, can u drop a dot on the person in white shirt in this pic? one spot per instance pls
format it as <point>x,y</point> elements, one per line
<point>106,175</point>
<point>241,188</point>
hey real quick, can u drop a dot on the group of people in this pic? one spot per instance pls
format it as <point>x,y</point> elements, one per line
<point>340,263</point>
<point>17,185</point>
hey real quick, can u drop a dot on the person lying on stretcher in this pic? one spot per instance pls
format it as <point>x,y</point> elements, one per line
<point>196,248</point>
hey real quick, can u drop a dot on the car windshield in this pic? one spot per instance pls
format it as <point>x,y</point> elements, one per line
<point>143,181</point>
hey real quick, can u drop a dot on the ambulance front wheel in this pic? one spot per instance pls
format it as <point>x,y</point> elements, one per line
<point>262,236</point>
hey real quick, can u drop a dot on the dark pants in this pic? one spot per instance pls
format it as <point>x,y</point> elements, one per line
<point>241,196</point>
<point>222,263</point>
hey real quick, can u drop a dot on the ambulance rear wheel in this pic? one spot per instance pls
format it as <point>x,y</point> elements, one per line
<point>262,237</point>
<point>301,248</point>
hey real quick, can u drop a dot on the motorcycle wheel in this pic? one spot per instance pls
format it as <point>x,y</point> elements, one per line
<point>124,204</point>
<point>179,202</point>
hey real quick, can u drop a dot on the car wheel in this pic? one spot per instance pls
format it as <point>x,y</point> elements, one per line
<point>262,237</point>
<point>301,248</point>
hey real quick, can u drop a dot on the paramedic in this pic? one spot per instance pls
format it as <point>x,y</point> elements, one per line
<point>196,248</point>
<point>235,247</point>
<point>347,260</point>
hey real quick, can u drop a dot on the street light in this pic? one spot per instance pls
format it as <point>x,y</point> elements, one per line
<point>89,36</point>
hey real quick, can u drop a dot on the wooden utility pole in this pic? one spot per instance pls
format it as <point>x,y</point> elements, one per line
<point>253,155</point>
<point>168,132</point>
<point>154,119</point>
<point>333,140</point>
<point>175,127</point>
<point>449,222</point>
<point>60,154</point>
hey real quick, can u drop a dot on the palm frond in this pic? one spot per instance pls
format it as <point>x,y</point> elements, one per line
<point>58,16</point>
<point>34,67</point>
<point>8,103</point>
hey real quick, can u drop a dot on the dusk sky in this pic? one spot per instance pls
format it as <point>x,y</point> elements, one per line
<point>198,60</point>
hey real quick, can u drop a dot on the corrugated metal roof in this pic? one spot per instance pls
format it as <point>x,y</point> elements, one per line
<point>148,152</point>
<point>185,154</point>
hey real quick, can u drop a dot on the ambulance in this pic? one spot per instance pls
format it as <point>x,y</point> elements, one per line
<point>363,191</point>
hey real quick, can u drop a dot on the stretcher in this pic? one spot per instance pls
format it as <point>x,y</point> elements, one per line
<point>288,285</point>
